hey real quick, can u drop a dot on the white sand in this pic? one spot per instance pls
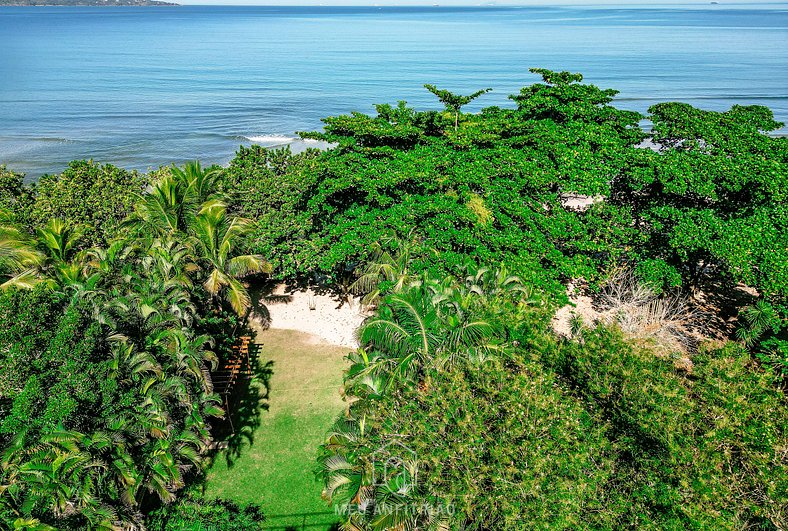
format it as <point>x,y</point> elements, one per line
<point>328,322</point>
<point>579,202</point>
<point>579,305</point>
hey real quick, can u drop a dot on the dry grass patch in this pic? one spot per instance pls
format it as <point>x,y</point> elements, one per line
<point>668,324</point>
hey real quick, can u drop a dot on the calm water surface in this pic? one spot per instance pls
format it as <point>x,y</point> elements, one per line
<point>142,87</point>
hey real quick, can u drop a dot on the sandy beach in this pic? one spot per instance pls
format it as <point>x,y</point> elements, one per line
<point>320,315</point>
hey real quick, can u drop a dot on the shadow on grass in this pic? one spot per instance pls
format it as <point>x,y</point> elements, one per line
<point>305,521</point>
<point>244,404</point>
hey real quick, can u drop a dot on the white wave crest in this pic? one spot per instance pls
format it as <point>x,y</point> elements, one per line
<point>271,139</point>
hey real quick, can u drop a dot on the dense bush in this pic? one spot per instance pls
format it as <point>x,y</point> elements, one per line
<point>502,425</point>
<point>465,410</point>
<point>699,449</point>
<point>106,391</point>
<point>54,366</point>
<point>97,196</point>
<point>15,197</point>
<point>492,448</point>
<point>268,187</point>
<point>205,515</point>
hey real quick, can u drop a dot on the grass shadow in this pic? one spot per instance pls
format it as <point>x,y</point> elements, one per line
<point>244,404</point>
<point>309,520</point>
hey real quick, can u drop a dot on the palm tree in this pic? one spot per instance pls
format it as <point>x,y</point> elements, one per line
<point>171,204</point>
<point>188,355</point>
<point>111,260</point>
<point>488,282</point>
<point>59,239</point>
<point>385,266</point>
<point>169,263</point>
<point>201,185</point>
<point>216,235</point>
<point>419,327</point>
<point>352,463</point>
<point>164,209</point>
<point>758,319</point>
<point>18,258</point>
<point>145,308</point>
<point>58,473</point>
<point>345,478</point>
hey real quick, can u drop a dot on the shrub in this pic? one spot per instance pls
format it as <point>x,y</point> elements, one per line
<point>86,193</point>
<point>15,197</point>
<point>196,514</point>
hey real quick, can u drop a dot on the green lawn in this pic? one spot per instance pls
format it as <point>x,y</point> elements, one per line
<point>274,462</point>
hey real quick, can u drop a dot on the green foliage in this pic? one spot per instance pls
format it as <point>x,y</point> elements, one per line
<point>497,448</point>
<point>490,420</point>
<point>106,391</point>
<point>710,202</point>
<point>489,192</point>
<point>15,197</point>
<point>267,187</point>
<point>765,329</point>
<point>454,102</point>
<point>86,193</point>
<point>387,269</point>
<point>592,433</point>
<point>698,450</point>
<point>52,369</point>
<point>711,198</point>
<point>195,514</point>
<point>18,257</point>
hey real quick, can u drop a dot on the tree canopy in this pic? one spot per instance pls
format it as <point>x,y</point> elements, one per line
<point>121,292</point>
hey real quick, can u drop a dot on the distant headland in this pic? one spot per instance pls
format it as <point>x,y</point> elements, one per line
<point>85,3</point>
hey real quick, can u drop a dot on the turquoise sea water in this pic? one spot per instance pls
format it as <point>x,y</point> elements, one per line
<point>142,87</point>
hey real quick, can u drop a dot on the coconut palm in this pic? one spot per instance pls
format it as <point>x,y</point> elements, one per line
<point>201,185</point>
<point>216,236</point>
<point>112,260</point>
<point>169,263</point>
<point>139,312</point>
<point>129,363</point>
<point>18,257</point>
<point>416,327</point>
<point>384,266</point>
<point>164,209</point>
<point>171,204</point>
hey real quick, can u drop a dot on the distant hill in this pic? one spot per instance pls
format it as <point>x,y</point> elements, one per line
<point>85,3</point>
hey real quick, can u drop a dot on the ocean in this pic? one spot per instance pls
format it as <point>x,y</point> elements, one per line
<point>142,87</point>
